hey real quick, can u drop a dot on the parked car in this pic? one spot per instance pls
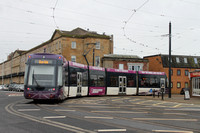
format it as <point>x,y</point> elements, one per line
<point>20,87</point>
<point>12,87</point>
<point>1,87</point>
<point>5,87</point>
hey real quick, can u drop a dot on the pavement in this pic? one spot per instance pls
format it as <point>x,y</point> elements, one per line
<point>174,98</point>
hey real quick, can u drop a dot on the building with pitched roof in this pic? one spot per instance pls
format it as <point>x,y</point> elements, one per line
<point>78,45</point>
<point>181,65</point>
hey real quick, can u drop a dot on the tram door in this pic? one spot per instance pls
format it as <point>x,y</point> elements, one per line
<point>79,83</point>
<point>122,85</point>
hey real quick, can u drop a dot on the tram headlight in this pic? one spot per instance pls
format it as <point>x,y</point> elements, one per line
<point>29,89</point>
<point>52,89</point>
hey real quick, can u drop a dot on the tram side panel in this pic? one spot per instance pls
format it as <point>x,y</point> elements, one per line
<point>121,82</point>
<point>78,80</point>
<point>149,81</point>
<point>97,81</point>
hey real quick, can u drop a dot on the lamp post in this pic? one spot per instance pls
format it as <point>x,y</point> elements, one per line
<point>2,72</point>
<point>169,60</point>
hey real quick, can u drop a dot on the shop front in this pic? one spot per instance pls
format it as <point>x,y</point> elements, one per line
<point>195,83</point>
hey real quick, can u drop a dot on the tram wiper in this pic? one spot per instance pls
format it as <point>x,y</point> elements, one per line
<point>34,79</point>
<point>38,86</point>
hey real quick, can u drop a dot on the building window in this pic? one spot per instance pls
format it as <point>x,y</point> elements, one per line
<point>171,84</point>
<point>73,58</point>
<point>195,60</point>
<point>135,66</point>
<point>56,45</point>
<point>73,45</point>
<point>178,72</point>
<point>186,72</point>
<point>186,84</point>
<point>177,60</point>
<point>121,66</point>
<point>178,84</point>
<point>185,60</point>
<point>98,45</point>
<point>59,45</point>
<point>97,61</point>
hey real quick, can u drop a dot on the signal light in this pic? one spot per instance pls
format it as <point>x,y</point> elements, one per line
<point>59,57</point>
<point>28,89</point>
<point>53,89</point>
<point>29,56</point>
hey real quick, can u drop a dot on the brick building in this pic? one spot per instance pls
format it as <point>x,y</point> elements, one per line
<point>126,62</point>
<point>180,66</point>
<point>73,45</point>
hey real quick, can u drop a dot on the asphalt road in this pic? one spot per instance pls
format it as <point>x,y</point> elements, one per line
<point>128,114</point>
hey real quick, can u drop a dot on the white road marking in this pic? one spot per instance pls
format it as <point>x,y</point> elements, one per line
<point>141,108</point>
<point>111,130</point>
<point>171,131</point>
<point>20,105</point>
<point>53,117</point>
<point>94,117</point>
<point>13,95</point>
<point>175,113</point>
<point>125,112</point>
<point>164,119</point>
<point>182,109</point>
<point>28,110</point>
<point>90,107</point>
<point>47,105</point>
<point>64,110</point>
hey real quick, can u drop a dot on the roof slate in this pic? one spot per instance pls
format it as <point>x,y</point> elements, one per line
<point>189,64</point>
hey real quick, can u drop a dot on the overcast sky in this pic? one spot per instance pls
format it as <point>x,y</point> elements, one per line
<point>139,27</point>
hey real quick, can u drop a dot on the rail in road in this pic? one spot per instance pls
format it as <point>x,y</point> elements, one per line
<point>112,114</point>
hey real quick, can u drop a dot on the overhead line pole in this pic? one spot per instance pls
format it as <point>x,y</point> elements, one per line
<point>169,59</point>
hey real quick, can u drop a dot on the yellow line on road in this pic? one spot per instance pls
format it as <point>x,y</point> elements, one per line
<point>178,105</point>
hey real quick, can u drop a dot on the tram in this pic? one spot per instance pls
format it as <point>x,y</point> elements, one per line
<point>51,76</point>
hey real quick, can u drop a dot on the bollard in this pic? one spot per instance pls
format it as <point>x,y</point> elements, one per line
<point>162,95</point>
<point>154,93</point>
<point>162,91</point>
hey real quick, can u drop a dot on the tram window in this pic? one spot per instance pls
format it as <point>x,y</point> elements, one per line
<point>101,82</point>
<point>66,76</point>
<point>73,79</point>
<point>130,82</point>
<point>93,79</point>
<point>60,76</point>
<point>149,81</point>
<point>85,79</point>
<point>113,81</point>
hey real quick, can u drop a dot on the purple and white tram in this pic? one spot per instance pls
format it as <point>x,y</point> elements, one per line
<point>50,76</point>
<point>43,77</point>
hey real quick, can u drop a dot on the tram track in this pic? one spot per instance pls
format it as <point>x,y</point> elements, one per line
<point>108,102</point>
<point>9,108</point>
<point>93,120</point>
